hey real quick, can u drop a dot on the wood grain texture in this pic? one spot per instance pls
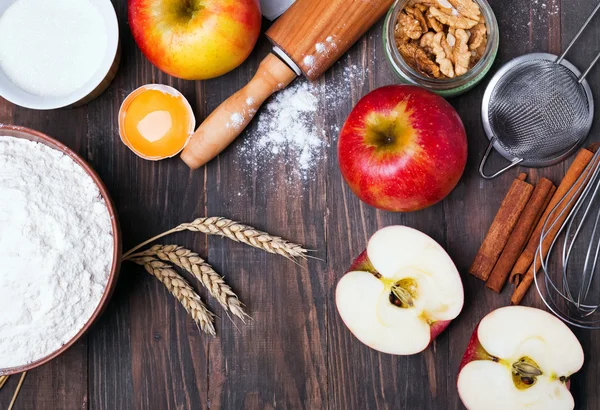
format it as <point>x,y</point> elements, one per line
<point>145,353</point>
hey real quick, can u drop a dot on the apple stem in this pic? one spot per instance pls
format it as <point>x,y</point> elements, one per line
<point>525,369</point>
<point>376,274</point>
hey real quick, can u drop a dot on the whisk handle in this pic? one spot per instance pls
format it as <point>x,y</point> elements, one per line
<point>513,163</point>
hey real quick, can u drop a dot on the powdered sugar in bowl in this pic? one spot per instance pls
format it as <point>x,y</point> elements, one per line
<point>60,246</point>
<point>58,53</point>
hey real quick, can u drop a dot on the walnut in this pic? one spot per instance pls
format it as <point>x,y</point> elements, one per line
<point>426,42</point>
<point>407,51</point>
<point>455,21</point>
<point>478,36</point>
<point>418,59</point>
<point>434,23</point>
<point>442,5</point>
<point>439,46</point>
<point>417,15</point>
<point>422,7</point>
<point>448,45</point>
<point>426,65</point>
<point>478,53</point>
<point>407,27</point>
<point>467,8</point>
<point>462,55</point>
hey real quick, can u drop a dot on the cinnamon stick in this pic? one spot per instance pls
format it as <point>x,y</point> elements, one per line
<point>522,265</point>
<point>541,196</point>
<point>510,210</point>
<point>523,278</point>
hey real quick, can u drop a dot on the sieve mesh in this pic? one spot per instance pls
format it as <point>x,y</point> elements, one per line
<point>538,111</point>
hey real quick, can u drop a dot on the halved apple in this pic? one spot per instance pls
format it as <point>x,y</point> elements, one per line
<point>401,292</point>
<point>519,358</point>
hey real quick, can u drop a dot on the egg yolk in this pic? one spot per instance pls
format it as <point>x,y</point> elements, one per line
<point>156,124</point>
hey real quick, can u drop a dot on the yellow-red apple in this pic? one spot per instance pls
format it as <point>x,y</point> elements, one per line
<point>402,148</point>
<point>401,293</point>
<point>195,39</point>
<point>519,358</point>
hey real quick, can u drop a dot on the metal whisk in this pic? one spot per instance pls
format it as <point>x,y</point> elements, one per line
<point>538,109</point>
<point>570,285</point>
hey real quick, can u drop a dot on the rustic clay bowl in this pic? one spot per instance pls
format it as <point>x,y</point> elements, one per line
<point>28,134</point>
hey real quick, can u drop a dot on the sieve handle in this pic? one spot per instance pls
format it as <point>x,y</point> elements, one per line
<point>562,56</point>
<point>587,71</point>
<point>514,162</point>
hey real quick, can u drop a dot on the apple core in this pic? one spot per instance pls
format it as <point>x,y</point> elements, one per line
<point>404,292</point>
<point>525,372</point>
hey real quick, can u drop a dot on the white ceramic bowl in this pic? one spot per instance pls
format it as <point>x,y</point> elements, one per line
<point>93,88</point>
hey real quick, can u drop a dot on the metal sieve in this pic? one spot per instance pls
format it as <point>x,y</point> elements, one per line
<point>537,109</point>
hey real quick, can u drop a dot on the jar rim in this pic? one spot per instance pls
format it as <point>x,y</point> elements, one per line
<point>404,69</point>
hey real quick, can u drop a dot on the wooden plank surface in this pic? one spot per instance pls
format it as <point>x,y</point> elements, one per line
<point>145,352</point>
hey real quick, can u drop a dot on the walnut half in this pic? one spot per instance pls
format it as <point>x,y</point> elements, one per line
<point>418,59</point>
<point>462,55</point>
<point>452,20</point>
<point>407,27</point>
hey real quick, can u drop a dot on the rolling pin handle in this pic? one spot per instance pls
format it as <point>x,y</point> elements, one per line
<point>230,118</point>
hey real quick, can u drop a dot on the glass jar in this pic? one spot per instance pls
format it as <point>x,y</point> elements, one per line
<point>448,87</point>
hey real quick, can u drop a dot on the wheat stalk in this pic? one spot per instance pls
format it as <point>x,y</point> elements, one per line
<point>194,264</point>
<point>237,232</point>
<point>3,380</point>
<point>17,390</point>
<point>179,288</point>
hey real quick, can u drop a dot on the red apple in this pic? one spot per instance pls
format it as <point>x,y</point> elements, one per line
<point>195,39</point>
<point>402,148</point>
<point>401,293</point>
<point>519,358</point>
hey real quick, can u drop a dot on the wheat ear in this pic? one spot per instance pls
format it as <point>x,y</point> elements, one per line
<point>245,234</point>
<point>237,232</point>
<point>179,288</point>
<point>194,264</point>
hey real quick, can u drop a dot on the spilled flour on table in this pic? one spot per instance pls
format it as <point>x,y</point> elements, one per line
<point>290,128</point>
<point>287,123</point>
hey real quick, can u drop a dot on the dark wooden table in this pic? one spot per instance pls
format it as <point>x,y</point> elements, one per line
<point>146,353</point>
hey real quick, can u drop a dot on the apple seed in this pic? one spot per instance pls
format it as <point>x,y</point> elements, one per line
<point>404,292</point>
<point>525,371</point>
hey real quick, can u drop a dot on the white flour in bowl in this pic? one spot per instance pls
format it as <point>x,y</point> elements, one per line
<point>52,48</point>
<point>56,250</point>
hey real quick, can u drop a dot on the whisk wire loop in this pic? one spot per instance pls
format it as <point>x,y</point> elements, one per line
<point>572,292</point>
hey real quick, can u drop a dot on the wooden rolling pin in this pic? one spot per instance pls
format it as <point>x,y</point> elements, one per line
<point>308,38</point>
